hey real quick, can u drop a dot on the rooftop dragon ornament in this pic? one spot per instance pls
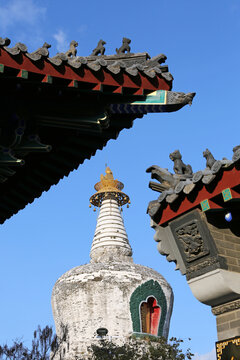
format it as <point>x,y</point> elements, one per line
<point>168,180</point>
<point>184,181</point>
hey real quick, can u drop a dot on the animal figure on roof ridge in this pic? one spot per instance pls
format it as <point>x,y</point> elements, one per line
<point>179,167</point>
<point>125,46</point>
<point>236,153</point>
<point>72,52</point>
<point>236,148</point>
<point>209,157</point>
<point>100,49</point>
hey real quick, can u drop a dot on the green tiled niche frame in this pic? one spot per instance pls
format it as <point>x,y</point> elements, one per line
<point>149,288</point>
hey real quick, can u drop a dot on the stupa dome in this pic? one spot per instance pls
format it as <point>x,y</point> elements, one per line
<point>111,291</point>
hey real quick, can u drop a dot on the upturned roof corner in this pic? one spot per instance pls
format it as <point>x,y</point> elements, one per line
<point>185,190</point>
<point>49,125</point>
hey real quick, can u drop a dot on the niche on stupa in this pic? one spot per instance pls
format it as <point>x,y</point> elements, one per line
<point>148,308</point>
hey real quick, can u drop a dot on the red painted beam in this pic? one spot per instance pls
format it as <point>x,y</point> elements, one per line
<point>230,179</point>
<point>235,194</point>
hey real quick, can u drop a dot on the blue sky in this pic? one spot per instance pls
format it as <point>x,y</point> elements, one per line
<point>54,233</point>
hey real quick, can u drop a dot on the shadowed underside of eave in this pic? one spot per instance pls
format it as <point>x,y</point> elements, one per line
<point>41,171</point>
<point>66,129</point>
<point>56,112</point>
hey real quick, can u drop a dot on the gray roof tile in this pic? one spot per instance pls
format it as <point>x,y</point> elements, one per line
<point>187,185</point>
<point>131,63</point>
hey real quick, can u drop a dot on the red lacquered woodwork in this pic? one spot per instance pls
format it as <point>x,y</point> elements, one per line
<point>229,179</point>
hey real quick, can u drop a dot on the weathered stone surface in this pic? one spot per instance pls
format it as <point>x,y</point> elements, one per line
<point>98,295</point>
<point>101,294</point>
<point>228,324</point>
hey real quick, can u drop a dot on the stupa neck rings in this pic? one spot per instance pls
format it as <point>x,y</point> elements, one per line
<point>110,242</point>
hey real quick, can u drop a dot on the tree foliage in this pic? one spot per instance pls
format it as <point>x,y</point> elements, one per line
<point>141,349</point>
<point>46,346</point>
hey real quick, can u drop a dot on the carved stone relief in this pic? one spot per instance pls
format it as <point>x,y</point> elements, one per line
<point>191,241</point>
<point>230,306</point>
<point>195,243</point>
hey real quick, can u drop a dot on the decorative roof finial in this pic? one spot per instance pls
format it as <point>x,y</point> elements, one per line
<point>179,167</point>
<point>209,158</point>
<point>100,49</point>
<point>72,52</point>
<point>125,46</point>
<point>108,187</point>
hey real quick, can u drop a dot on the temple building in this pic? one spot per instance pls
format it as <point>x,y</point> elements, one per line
<point>59,110</point>
<point>197,223</point>
<point>111,293</point>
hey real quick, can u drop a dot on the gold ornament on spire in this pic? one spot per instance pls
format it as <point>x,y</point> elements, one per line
<point>108,188</point>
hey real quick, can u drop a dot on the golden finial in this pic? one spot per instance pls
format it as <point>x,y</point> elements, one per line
<point>108,187</point>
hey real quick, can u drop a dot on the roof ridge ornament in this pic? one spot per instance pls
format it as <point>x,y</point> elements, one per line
<point>125,46</point>
<point>133,64</point>
<point>169,181</point>
<point>72,52</point>
<point>16,49</point>
<point>5,41</point>
<point>236,153</point>
<point>100,49</point>
<point>43,50</point>
<point>40,52</point>
<point>179,167</point>
<point>183,182</point>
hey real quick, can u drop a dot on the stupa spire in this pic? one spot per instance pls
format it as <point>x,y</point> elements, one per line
<point>110,241</point>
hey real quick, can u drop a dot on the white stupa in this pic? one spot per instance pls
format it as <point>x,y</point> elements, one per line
<point>110,292</point>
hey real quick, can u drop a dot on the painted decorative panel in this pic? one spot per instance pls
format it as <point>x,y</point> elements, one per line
<point>228,349</point>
